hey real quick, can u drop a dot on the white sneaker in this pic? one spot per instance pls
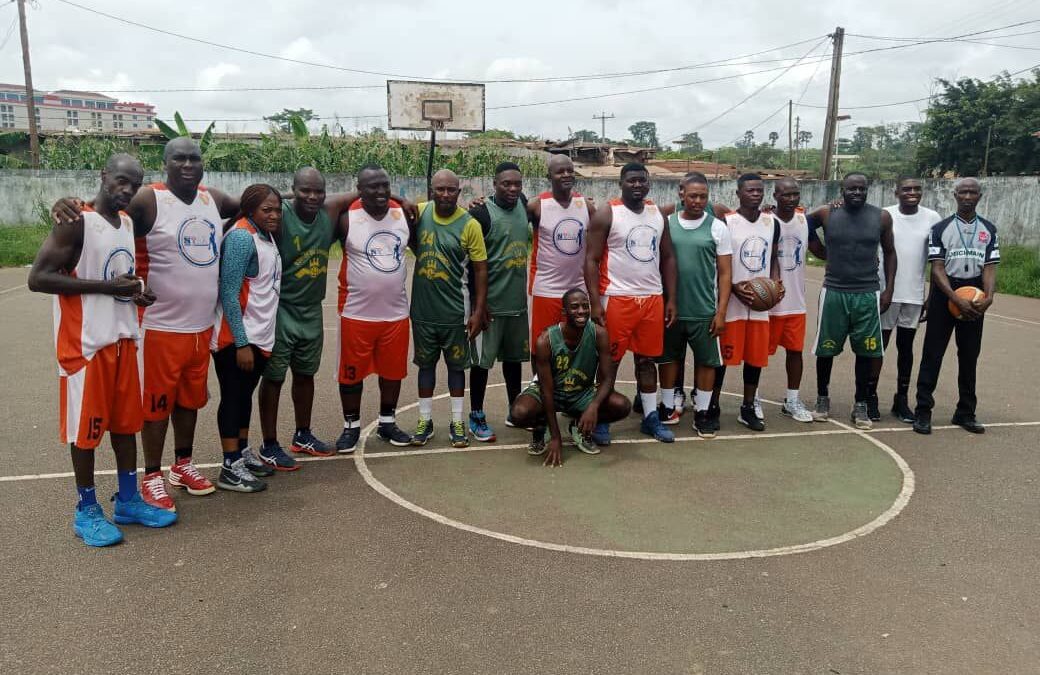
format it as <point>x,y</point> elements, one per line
<point>796,410</point>
<point>759,413</point>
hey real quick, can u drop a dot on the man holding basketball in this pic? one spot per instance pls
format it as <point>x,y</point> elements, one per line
<point>964,253</point>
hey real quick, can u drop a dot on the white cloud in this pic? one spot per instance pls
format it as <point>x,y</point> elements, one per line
<point>209,78</point>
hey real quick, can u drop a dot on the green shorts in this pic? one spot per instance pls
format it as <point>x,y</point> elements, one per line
<point>297,345</point>
<point>507,338</point>
<point>696,334</point>
<point>430,340</point>
<point>571,405</point>
<point>852,315</point>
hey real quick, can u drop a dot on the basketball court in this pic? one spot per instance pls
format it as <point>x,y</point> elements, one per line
<point>804,549</point>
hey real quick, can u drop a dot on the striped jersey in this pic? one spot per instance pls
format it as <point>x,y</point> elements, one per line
<point>558,250</point>
<point>631,264</point>
<point>258,298</point>
<point>372,275</point>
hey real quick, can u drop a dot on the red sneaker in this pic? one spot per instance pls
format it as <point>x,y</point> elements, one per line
<point>669,416</point>
<point>183,474</point>
<point>153,492</point>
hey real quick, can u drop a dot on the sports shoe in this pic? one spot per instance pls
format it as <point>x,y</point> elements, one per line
<point>93,528</point>
<point>860,417</point>
<point>651,426</point>
<point>901,409</point>
<point>347,441</point>
<point>759,413</point>
<point>537,445</point>
<point>513,425</point>
<point>153,491</point>
<point>822,411</point>
<point>968,423</point>
<point>423,432</point>
<point>135,511</point>
<point>580,441</point>
<point>669,417</point>
<point>601,434</point>
<point>873,408</point>
<point>680,399</point>
<point>748,418</point>
<point>457,434</point>
<point>303,441</point>
<point>275,456</point>
<point>796,410</point>
<point>714,416</point>
<point>923,422</point>
<point>238,478</point>
<point>392,434</point>
<point>255,465</point>
<point>702,424</point>
<point>479,427</point>
<point>184,474</point>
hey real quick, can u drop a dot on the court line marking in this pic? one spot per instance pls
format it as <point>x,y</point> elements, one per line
<point>15,288</point>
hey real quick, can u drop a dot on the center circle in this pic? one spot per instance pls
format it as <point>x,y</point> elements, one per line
<point>738,496</point>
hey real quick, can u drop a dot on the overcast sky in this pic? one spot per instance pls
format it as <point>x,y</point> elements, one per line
<point>73,48</point>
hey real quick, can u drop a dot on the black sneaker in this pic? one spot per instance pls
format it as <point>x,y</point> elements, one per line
<point>923,422</point>
<point>748,418</point>
<point>901,409</point>
<point>704,425</point>
<point>968,423</point>
<point>714,416</point>
<point>238,478</point>
<point>392,434</point>
<point>348,440</point>
<point>873,408</point>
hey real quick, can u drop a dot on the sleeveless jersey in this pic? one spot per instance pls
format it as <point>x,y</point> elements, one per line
<point>179,259</point>
<point>752,249</point>
<point>695,256</point>
<point>258,297</point>
<point>631,263</point>
<point>304,248</point>
<point>87,323</point>
<point>558,252</point>
<point>574,372</point>
<point>852,239</point>
<point>790,252</point>
<point>439,292</point>
<point>372,275</point>
<point>506,243</point>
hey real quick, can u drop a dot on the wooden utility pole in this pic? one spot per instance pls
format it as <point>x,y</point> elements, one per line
<point>797,139</point>
<point>603,117</point>
<point>790,137</point>
<point>30,95</point>
<point>985,158</point>
<point>831,127</point>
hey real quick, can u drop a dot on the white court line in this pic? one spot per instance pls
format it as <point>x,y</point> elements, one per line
<point>16,288</point>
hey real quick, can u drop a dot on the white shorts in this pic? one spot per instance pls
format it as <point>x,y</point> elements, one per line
<point>902,314</point>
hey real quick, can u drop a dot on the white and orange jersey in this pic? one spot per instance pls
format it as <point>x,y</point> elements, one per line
<point>558,252</point>
<point>87,323</point>
<point>372,277</point>
<point>752,251</point>
<point>631,264</point>
<point>179,259</point>
<point>791,250</point>
<point>258,297</point>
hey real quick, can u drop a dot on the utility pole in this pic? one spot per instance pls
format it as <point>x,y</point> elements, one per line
<point>30,95</point>
<point>830,130</point>
<point>797,139</point>
<point>985,158</point>
<point>790,138</point>
<point>603,117</point>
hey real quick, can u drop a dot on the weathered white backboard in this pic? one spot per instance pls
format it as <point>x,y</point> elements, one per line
<point>445,106</point>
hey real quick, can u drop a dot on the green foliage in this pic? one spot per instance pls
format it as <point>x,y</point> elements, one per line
<point>1019,271</point>
<point>885,150</point>
<point>283,120</point>
<point>644,134</point>
<point>690,143</point>
<point>491,133</point>
<point>19,244</point>
<point>585,136</point>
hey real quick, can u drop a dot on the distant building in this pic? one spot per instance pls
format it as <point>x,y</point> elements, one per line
<point>66,110</point>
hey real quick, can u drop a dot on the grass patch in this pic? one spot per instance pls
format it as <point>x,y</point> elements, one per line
<point>19,244</point>
<point>1019,271</point>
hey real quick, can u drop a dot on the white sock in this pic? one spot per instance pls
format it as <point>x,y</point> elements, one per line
<point>425,408</point>
<point>792,395</point>
<point>649,403</point>
<point>386,419</point>
<point>456,408</point>
<point>352,424</point>
<point>668,398</point>
<point>701,399</point>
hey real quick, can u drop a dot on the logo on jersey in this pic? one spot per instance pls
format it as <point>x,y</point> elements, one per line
<point>385,251</point>
<point>791,253</point>
<point>754,254</point>
<point>197,241</point>
<point>983,237</point>
<point>641,243</point>
<point>119,262</point>
<point>568,236</point>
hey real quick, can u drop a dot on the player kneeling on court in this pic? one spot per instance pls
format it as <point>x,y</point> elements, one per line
<point>89,266</point>
<point>570,357</point>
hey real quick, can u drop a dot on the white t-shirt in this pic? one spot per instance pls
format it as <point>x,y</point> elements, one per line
<point>911,240</point>
<point>719,232</point>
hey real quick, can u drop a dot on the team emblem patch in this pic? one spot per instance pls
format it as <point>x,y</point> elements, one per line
<point>119,262</point>
<point>197,241</point>
<point>385,251</point>
<point>641,243</point>
<point>983,237</point>
<point>568,236</point>
<point>790,252</point>
<point>754,254</point>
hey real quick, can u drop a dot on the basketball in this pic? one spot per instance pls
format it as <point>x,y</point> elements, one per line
<point>766,291</point>
<point>969,293</point>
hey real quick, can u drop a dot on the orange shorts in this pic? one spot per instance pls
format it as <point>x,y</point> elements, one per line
<point>745,342</point>
<point>104,395</point>
<point>367,347</point>
<point>787,331</point>
<point>174,367</point>
<point>635,324</point>
<point>544,312</point>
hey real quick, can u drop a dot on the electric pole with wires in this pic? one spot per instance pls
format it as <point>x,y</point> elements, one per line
<point>30,95</point>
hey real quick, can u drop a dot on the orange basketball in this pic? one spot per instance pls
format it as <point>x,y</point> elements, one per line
<point>969,293</point>
<point>766,292</point>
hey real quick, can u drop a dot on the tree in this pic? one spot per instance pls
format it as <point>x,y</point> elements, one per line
<point>491,134</point>
<point>773,138</point>
<point>747,140</point>
<point>690,143</point>
<point>804,137</point>
<point>644,134</point>
<point>281,120</point>
<point>585,136</point>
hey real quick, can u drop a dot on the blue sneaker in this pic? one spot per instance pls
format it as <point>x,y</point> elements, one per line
<point>348,440</point>
<point>601,434</point>
<point>651,426</point>
<point>423,432</point>
<point>137,511</point>
<point>303,441</point>
<point>93,528</point>
<point>275,456</point>
<point>457,434</point>
<point>479,427</point>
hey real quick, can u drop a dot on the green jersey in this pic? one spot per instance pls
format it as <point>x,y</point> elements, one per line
<point>507,244</point>
<point>304,248</point>
<point>444,247</point>
<point>574,371</point>
<point>695,256</point>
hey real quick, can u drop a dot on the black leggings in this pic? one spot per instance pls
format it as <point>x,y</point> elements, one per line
<point>236,390</point>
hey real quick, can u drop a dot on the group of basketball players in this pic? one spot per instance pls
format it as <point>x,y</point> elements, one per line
<point>150,286</point>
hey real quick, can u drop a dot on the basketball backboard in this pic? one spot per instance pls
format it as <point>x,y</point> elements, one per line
<point>445,106</point>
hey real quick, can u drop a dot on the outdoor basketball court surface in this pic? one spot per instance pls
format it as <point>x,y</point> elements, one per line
<point>804,549</point>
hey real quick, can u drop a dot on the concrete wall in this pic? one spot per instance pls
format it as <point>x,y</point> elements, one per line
<point>1012,203</point>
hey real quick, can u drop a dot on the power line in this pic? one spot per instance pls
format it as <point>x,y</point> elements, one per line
<point>914,39</point>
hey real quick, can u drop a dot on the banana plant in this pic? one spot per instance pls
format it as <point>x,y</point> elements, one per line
<point>182,130</point>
